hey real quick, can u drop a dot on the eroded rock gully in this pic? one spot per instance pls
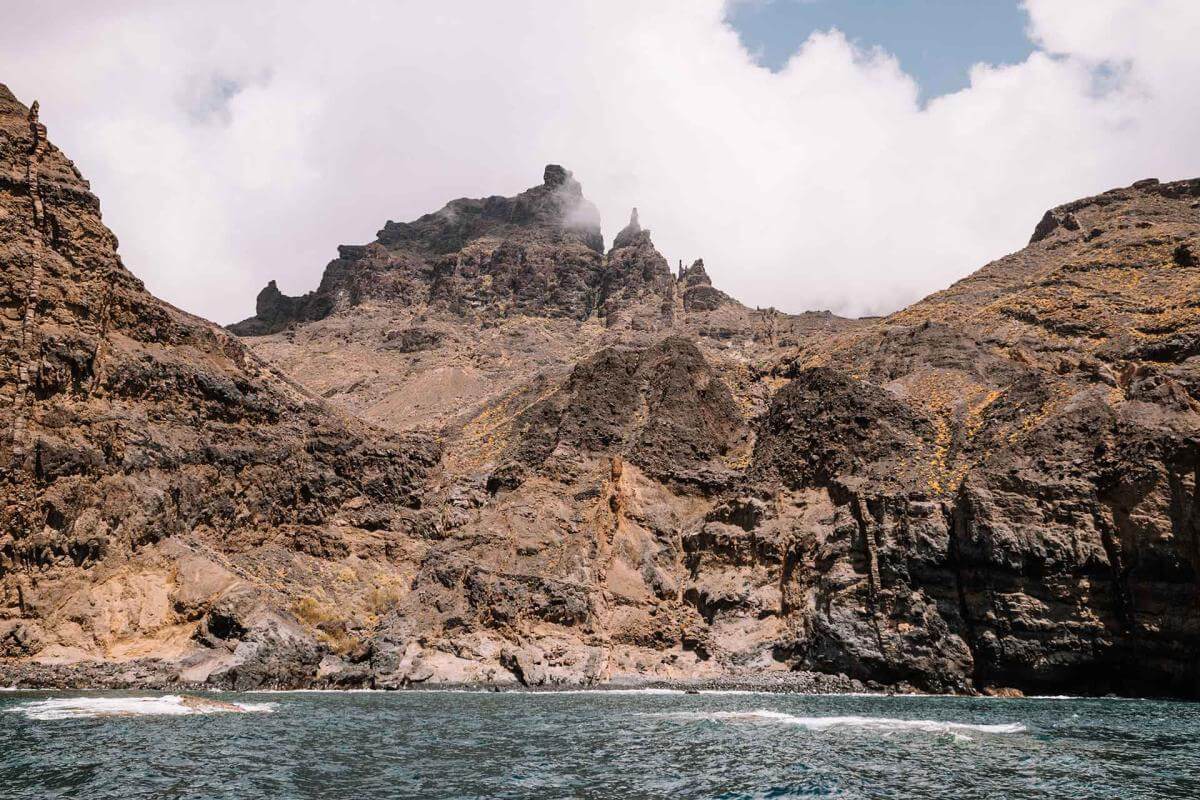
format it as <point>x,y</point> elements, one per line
<point>488,450</point>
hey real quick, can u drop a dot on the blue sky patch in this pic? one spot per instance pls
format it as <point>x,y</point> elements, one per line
<point>936,41</point>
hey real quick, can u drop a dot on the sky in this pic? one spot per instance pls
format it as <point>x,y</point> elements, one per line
<point>818,154</point>
<point>935,41</point>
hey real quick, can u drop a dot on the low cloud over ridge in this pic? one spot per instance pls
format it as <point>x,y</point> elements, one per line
<point>232,143</point>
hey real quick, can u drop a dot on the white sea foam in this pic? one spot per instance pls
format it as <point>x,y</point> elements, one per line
<point>638,690</point>
<point>880,724</point>
<point>381,692</point>
<point>165,705</point>
<point>513,691</point>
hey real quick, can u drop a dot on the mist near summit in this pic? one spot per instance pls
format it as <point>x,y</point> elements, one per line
<point>237,143</point>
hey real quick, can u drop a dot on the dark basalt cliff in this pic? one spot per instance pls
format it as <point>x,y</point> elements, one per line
<point>537,462</point>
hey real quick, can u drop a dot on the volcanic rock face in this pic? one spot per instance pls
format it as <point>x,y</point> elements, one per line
<point>536,253</point>
<point>993,488</point>
<point>538,462</point>
<point>698,292</point>
<point>1035,514</point>
<point>156,473</point>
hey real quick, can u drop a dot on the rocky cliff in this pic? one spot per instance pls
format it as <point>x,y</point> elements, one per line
<point>164,492</point>
<point>1037,509</point>
<point>487,450</point>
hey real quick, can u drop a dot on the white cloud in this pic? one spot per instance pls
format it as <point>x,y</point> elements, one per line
<point>232,143</point>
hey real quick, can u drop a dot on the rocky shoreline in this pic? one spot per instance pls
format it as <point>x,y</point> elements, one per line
<point>158,677</point>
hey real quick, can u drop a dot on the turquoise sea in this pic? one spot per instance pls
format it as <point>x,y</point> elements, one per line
<point>597,744</point>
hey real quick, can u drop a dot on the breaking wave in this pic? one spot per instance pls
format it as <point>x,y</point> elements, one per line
<point>165,705</point>
<point>880,724</point>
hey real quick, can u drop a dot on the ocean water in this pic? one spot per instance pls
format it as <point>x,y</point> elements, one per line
<point>635,744</point>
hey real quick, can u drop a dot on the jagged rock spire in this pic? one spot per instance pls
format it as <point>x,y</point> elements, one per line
<point>560,201</point>
<point>629,232</point>
<point>555,175</point>
<point>695,275</point>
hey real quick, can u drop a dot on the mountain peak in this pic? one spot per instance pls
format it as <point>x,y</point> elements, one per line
<point>535,253</point>
<point>555,175</point>
<point>1063,220</point>
<point>695,275</point>
<point>630,234</point>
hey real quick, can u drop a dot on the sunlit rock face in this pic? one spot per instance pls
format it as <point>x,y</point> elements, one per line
<point>155,472</point>
<point>488,450</point>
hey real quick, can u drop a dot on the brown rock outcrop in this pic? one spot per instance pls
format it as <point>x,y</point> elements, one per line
<point>1033,485</point>
<point>536,253</point>
<point>136,436</point>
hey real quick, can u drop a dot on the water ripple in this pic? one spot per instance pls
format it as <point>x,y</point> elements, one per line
<point>594,745</point>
